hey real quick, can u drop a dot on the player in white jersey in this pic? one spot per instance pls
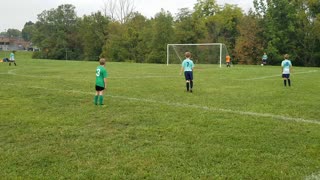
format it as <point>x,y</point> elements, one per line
<point>286,66</point>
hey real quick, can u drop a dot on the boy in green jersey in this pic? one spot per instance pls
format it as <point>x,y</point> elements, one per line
<point>101,81</point>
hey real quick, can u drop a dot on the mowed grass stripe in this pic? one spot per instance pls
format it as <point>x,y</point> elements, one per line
<point>273,116</point>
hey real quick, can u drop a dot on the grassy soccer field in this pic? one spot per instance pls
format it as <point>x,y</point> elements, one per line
<point>240,123</point>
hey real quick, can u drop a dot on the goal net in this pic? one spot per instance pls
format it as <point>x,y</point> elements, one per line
<point>205,53</point>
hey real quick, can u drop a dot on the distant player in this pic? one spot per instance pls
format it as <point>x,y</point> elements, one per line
<point>264,59</point>
<point>228,60</point>
<point>286,69</point>
<point>101,81</point>
<point>11,59</point>
<point>187,67</point>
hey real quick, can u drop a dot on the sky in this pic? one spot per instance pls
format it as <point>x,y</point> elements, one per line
<point>15,13</point>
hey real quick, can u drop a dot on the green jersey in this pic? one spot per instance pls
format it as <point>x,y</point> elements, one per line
<point>101,73</point>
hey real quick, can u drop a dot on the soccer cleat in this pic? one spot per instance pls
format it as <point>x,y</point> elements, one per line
<point>191,90</point>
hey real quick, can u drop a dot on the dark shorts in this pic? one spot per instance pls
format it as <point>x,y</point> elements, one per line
<point>188,75</point>
<point>264,61</point>
<point>99,88</point>
<point>287,76</point>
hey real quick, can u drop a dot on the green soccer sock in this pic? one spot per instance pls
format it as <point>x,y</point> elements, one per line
<point>96,100</point>
<point>101,100</point>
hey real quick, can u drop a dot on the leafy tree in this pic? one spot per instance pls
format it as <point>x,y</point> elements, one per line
<point>55,32</point>
<point>28,31</point>
<point>289,30</point>
<point>13,33</point>
<point>222,27</point>
<point>249,43</point>
<point>161,36</point>
<point>188,28</point>
<point>138,42</point>
<point>206,8</point>
<point>92,34</point>
<point>115,47</point>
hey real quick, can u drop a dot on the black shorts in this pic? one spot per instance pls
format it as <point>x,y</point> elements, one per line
<point>99,88</point>
<point>188,75</point>
<point>287,76</point>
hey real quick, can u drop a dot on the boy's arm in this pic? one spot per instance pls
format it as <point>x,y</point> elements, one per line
<point>181,70</point>
<point>105,83</point>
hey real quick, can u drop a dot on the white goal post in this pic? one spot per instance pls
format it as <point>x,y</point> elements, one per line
<point>210,53</point>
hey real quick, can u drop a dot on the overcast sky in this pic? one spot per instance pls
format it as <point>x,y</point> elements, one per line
<point>15,13</point>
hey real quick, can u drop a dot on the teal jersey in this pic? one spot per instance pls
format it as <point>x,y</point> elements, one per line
<point>101,73</point>
<point>265,57</point>
<point>286,65</point>
<point>187,65</point>
<point>11,56</point>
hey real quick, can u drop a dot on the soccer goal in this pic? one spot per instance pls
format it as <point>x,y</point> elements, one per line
<point>204,53</point>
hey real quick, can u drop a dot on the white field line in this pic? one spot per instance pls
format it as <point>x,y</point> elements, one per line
<point>314,176</point>
<point>12,72</point>
<point>142,77</point>
<point>206,108</point>
<point>278,75</point>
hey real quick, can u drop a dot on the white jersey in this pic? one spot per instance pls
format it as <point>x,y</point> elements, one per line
<point>286,65</point>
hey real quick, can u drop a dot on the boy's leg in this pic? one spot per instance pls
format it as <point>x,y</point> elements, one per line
<point>191,85</point>
<point>289,82</point>
<point>96,98</point>
<point>101,99</point>
<point>285,82</point>
<point>187,85</point>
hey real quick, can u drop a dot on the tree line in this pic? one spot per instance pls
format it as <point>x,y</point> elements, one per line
<point>276,27</point>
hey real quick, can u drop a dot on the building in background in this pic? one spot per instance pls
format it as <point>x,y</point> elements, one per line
<point>13,44</point>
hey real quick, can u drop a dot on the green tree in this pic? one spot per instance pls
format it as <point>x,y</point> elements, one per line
<point>188,28</point>
<point>222,27</point>
<point>161,36</point>
<point>249,43</point>
<point>92,35</point>
<point>55,33</point>
<point>115,48</point>
<point>138,44</point>
<point>28,31</point>
<point>290,27</point>
<point>13,33</point>
<point>206,8</point>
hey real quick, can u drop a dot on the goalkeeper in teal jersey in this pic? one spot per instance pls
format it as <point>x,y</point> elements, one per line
<point>101,81</point>
<point>286,66</point>
<point>187,66</point>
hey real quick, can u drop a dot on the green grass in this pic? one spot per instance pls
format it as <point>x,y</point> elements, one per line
<point>234,125</point>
